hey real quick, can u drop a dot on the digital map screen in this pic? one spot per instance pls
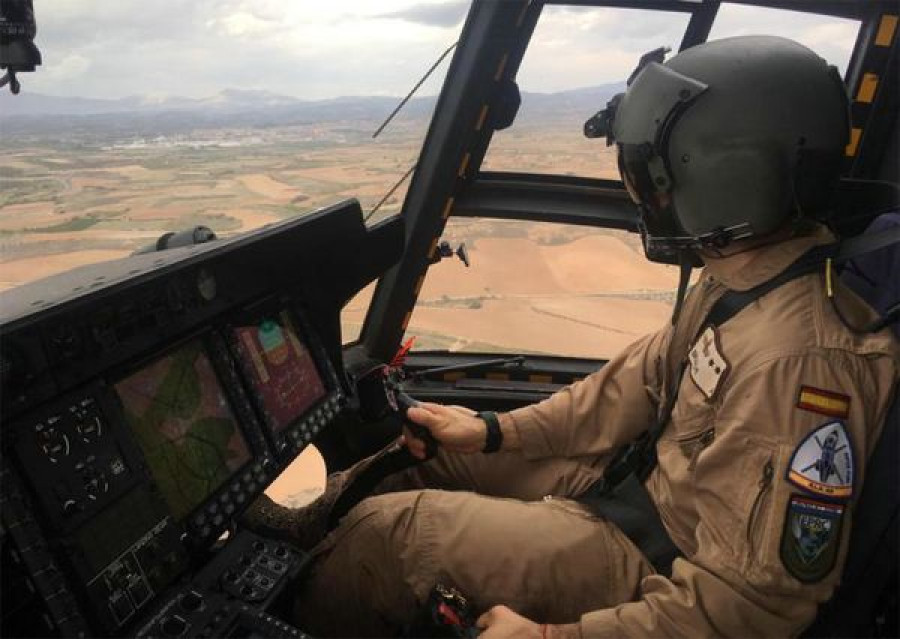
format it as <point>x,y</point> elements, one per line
<point>184,425</point>
<point>281,368</point>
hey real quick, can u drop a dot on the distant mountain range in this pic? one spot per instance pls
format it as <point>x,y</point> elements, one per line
<point>228,100</point>
<point>28,117</point>
<point>235,101</point>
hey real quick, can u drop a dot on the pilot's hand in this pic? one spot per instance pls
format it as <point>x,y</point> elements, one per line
<point>502,623</point>
<point>456,428</point>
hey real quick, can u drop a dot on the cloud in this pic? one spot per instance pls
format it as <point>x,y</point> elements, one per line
<point>70,68</point>
<point>575,47</point>
<point>243,23</point>
<point>325,48</point>
<point>832,38</point>
<point>444,14</point>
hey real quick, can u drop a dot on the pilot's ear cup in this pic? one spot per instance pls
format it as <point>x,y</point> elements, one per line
<point>731,185</point>
<point>816,177</point>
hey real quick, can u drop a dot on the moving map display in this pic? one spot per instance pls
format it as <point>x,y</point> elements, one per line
<point>184,425</point>
<point>281,368</point>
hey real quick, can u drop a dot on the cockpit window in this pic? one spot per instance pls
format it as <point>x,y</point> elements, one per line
<point>144,120</point>
<point>354,313</point>
<point>302,481</point>
<point>538,287</point>
<point>832,38</point>
<point>577,59</point>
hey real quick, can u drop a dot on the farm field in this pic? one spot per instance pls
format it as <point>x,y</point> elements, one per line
<point>72,202</point>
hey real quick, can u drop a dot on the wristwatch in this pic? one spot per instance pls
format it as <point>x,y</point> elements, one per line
<point>494,436</point>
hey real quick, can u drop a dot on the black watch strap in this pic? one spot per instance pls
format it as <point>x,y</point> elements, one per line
<point>494,437</point>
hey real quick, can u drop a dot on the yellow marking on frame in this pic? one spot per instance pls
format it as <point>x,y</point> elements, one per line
<point>886,30</point>
<point>501,67</point>
<point>867,87</point>
<point>419,285</point>
<point>447,208</point>
<point>497,377</point>
<point>464,164</point>
<point>432,248</point>
<point>855,135</point>
<point>481,118</point>
<point>541,379</point>
<point>406,320</point>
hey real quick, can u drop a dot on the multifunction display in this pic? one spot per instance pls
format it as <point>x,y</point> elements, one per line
<point>180,416</point>
<point>281,368</point>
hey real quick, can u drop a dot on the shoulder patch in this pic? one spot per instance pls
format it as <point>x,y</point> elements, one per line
<point>811,537</point>
<point>707,364</point>
<point>823,464</point>
<point>824,402</point>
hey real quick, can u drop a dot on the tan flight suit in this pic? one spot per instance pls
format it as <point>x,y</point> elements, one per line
<point>552,561</point>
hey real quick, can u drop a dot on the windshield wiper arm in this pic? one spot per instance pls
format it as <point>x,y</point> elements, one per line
<point>518,360</point>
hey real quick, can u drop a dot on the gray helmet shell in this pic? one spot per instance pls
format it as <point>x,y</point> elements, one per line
<point>738,135</point>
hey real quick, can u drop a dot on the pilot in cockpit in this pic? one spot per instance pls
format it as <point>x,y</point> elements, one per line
<point>718,520</point>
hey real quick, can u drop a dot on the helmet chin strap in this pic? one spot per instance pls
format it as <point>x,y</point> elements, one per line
<point>685,265</point>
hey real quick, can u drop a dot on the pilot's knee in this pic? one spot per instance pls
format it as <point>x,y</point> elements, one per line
<point>382,526</point>
<point>359,575</point>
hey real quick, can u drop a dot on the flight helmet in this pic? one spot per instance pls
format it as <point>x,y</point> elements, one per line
<point>728,140</point>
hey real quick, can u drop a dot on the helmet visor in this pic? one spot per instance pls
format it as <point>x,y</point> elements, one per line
<point>657,211</point>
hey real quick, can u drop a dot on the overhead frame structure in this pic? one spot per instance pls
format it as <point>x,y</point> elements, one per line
<point>494,38</point>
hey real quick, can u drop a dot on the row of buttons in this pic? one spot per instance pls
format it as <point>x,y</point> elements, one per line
<point>304,432</point>
<point>257,572</point>
<point>212,518</point>
<point>261,623</point>
<point>275,627</point>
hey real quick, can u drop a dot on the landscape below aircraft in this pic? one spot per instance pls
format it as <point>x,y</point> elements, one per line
<point>148,400</point>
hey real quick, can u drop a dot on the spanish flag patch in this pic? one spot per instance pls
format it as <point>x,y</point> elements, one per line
<point>823,402</point>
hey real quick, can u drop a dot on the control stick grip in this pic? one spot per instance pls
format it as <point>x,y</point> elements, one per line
<point>404,403</point>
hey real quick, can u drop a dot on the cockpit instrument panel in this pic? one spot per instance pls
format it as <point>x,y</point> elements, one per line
<point>144,409</point>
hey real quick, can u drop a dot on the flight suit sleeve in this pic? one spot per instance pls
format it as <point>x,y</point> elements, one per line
<point>742,579</point>
<point>601,412</point>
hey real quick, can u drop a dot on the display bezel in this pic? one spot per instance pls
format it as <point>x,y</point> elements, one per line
<point>205,338</point>
<point>255,313</point>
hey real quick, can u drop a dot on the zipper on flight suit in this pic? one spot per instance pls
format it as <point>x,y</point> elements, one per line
<point>765,482</point>
<point>703,440</point>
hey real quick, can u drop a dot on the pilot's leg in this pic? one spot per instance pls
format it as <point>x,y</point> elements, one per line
<point>502,474</point>
<point>548,560</point>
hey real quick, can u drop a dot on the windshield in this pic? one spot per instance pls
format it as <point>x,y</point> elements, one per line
<point>147,118</point>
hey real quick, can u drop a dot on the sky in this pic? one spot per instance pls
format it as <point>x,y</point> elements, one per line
<point>315,49</point>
